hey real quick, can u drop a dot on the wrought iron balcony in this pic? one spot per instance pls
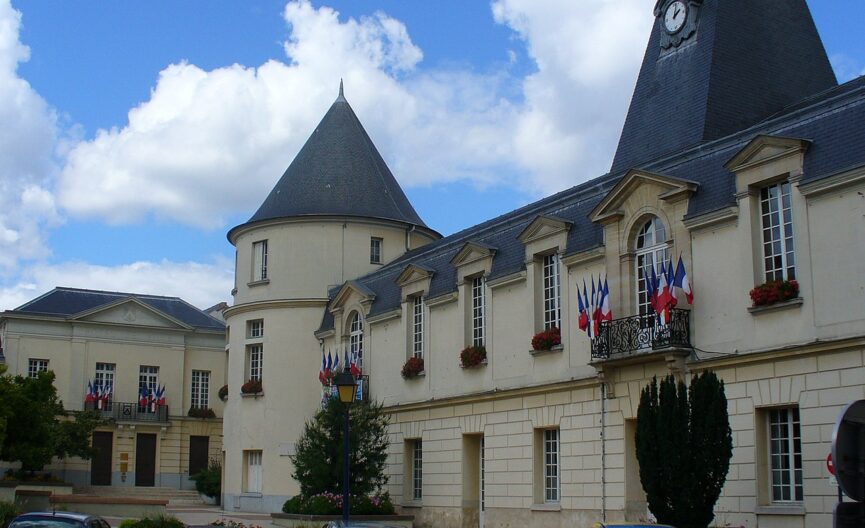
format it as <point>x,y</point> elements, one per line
<point>641,333</point>
<point>129,412</point>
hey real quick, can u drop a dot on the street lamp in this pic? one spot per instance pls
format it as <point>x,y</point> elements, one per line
<point>346,385</point>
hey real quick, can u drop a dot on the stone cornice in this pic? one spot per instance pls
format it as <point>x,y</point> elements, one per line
<point>273,305</point>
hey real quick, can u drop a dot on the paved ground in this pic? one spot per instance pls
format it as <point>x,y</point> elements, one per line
<point>204,515</point>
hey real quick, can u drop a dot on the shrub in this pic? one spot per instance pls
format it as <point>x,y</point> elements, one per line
<point>161,521</point>
<point>774,291</point>
<point>208,481</point>
<point>547,339</point>
<point>201,412</point>
<point>473,356</point>
<point>412,367</point>
<point>223,393</point>
<point>331,504</point>
<point>8,511</point>
<point>251,387</point>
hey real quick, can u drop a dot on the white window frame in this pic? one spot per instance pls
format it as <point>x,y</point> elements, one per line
<point>355,339</point>
<point>417,469</point>
<point>35,366</point>
<point>479,308</point>
<point>375,250</point>
<point>254,470</point>
<point>785,456</point>
<point>200,389</point>
<point>551,466</point>
<point>776,230</point>
<point>552,297</point>
<point>259,261</point>
<point>255,328</point>
<point>651,247</point>
<point>105,375</point>
<point>254,361</point>
<point>418,321</point>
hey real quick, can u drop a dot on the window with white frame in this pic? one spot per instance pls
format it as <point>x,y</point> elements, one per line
<point>355,339</point>
<point>375,250</point>
<point>552,295</point>
<point>478,310</point>
<point>653,252</point>
<point>148,379</point>
<point>259,260</point>
<point>200,389</point>
<point>776,222</point>
<point>253,471</point>
<point>35,366</point>
<point>785,454</point>
<point>254,359</point>
<point>417,469</point>
<point>255,328</point>
<point>551,465</point>
<point>104,378</point>
<point>417,332</point>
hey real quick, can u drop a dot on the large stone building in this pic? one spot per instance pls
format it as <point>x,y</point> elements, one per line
<point>740,152</point>
<point>122,343</point>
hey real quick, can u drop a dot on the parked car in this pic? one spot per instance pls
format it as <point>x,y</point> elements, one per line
<point>358,524</point>
<point>630,525</point>
<point>59,519</point>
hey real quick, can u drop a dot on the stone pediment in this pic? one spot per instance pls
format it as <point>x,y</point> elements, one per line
<point>472,252</point>
<point>352,289</point>
<point>130,311</point>
<point>673,189</point>
<point>544,226</point>
<point>764,149</point>
<point>414,273</point>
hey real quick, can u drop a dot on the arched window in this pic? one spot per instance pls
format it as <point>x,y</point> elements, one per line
<point>652,250</point>
<point>355,339</point>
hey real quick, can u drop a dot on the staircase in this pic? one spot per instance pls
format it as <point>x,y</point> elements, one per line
<point>175,497</point>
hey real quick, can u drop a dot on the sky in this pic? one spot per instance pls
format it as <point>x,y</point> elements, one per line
<point>133,135</point>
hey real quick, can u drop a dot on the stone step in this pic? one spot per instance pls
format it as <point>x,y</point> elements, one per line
<point>175,496</point>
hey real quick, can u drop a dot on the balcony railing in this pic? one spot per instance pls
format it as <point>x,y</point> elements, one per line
<point>642,333</point>
<point>129,412</point>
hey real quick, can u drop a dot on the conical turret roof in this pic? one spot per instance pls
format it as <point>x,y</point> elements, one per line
<point>338,172</point>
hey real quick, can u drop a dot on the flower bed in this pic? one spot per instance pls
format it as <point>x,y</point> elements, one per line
<point>547,339</point>
<point>327,503</point>
<point>412,368</point>
<point>774,292</point>
<point>251,387</point>
<point>473,356</point>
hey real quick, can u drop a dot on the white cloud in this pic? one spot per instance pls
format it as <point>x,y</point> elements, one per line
<point>846,67</point>
<point>201,284</point>
<point>211,143</point>
<point>27,140</point>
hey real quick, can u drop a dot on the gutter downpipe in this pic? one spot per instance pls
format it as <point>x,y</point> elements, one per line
<point>603,452</point>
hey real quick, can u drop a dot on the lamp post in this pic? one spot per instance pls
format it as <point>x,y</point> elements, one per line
<point>347,387</point>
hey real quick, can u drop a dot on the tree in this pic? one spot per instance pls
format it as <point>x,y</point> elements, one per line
<point>684,445</point>
<point>319,452</point>
<point>43,430</point>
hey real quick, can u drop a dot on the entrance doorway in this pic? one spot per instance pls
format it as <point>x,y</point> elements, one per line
<point>145,459</point>
<point>198,448</point>
<point>100,464</point>
<point>474,496</point>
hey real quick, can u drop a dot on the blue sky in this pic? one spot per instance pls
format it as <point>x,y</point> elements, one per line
<point>137,133</point>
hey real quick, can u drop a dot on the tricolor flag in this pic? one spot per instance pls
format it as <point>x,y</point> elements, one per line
<point>681,281</point>
<point>583,320</point>
<point>671,277</point>
<point>151,399</point>
<point>336,363</point>
<point>354,366</point>
<point>99,396</point>
<point>90,397</point>
<point>322,377</point>
<point>160,396</point>
<point>606,312</point>
<point>105,395</point>
<point>329,365</point>
<point>142,395</point>
<point>652,287</point>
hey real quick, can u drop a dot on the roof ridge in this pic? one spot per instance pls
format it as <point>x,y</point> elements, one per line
<point>110,292</point>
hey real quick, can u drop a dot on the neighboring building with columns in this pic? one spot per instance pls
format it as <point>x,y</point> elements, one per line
<point>740,152</point>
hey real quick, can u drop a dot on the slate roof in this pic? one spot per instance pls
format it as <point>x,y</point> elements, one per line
<point>68,302</point>
<point>747,61</point>
<point>834,122</point>
<point>338,172</point>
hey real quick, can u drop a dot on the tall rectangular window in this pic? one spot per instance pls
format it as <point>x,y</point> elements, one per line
<point>255,328</point>
<point>254,359</point>
<point>785,453</point>
<point>259,260</point>
<point>200,389</point>
<point>551,465</point>
<point>417,326</point>
<point>104,378</point>
<point>148,380</point>
<point>253,471</point>
<point>478,310</point>
<point>375,250</point>
<point>552,298</point>
<point>417,469</point>
<point>776,216</point>
<point>35,366</point>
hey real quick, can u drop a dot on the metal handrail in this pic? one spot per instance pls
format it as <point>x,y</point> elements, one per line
<point>129,411</point>
<point>641,333</point>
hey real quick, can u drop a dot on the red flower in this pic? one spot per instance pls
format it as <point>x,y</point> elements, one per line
<point>251,387</point>
<point>773,292</point>
<point>412,367</point>
<point>473,356</point>
<point>547,339</point>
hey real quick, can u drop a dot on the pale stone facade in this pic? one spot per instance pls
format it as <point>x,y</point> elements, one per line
<point>126,333</point>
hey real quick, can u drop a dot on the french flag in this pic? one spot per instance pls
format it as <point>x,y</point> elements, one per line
<point>652,287</point>
<point>160,396</point>
<point>142,395</point>
<point>89,397</point>
<point>322,377</point>
<point>336,363</point>
<point>671,279</point>
<point>584,316</point>
<point>606,312</point>
<point>328,365</point>
<point>681,281</point>
<point>354,367</point>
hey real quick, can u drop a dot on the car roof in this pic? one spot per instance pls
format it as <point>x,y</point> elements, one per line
<point>62,514</point>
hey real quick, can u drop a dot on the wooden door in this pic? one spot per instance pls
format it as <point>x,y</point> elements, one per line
<point>198,447</point>
<point>145,459</point>
<point>100,464</point>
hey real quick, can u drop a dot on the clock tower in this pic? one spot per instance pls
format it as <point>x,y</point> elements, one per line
<point>714,67</point>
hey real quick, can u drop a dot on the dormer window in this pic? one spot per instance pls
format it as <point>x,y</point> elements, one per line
<point>776,216</point>
<point>653,252</point>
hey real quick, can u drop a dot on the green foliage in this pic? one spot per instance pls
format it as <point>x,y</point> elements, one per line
<point>161,521</point>
<point>43,429</point>
<point>331,504</point>
<point>8,511</point>
<point>209,480</point>
<point>319,458</point>
<point>684,445</point>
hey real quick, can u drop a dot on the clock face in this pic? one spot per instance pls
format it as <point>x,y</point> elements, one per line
<point>674,18</point>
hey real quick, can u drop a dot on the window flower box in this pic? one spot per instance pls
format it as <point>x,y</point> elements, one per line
<point>473,356</point>
<point>223,393</point>
<point>774,292</point>
<point>201,412</point>
<point>412,368</point>
<point>252,387</point>
<point>547,339</point>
